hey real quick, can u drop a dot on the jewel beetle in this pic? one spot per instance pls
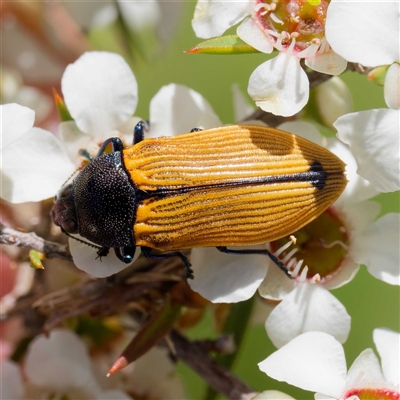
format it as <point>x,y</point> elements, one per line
<point>231,186</point>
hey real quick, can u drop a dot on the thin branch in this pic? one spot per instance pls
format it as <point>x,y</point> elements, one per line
<point>194,355</point>
<point>30,240</point>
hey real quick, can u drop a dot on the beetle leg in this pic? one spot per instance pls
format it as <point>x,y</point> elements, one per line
<point>102,252</point>
<point>138,133</point>
<point>127,254</point>
<point>146,251</point>
<point>116,146</point>
<point>196,130</point>
<point>280,264</point>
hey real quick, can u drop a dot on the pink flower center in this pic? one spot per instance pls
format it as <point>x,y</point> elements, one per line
<point>286,20</point>
<point>322,244</point>
<point>373,394</point>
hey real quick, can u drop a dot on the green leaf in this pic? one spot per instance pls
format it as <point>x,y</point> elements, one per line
<point>61,107</point>
<point>36,258</point>
<point>378,75</point>
<point>230,44</point>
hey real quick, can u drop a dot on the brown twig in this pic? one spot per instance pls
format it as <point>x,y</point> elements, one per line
<point>220,379</point>
<point>30,240</point>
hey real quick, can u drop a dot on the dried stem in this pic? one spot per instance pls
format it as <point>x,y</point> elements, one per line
<point>220,379</point>
<point>31,241</point>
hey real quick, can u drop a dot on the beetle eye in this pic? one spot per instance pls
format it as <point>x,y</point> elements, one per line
<point>70,226</point>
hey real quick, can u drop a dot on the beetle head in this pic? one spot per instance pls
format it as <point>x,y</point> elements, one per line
<point>99,204</point>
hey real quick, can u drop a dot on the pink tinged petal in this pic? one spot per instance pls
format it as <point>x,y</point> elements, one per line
<point>60,361</point>
<point>166,117</point>
<point>365,372</point>
<point>87,260</point>
<point>250,33</point>
<point>358,189</point>
<point>11,380</point>
<point>313,361</point>
<point>358,31</point>
<point>327,63</point>
<point>378,248</point>
<point>276,284</point>
<point>280,85</point>
<point>226,278</point>
<point>387,343</point>
<point>373,137</point>
<point>16,121</point>
<point>100,91</point>
<point>392,86</point>
<point>212,17</point>
<point>34,167</point>
<point>308,308</point>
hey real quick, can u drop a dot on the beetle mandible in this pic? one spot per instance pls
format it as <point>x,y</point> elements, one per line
<point>231,186</point>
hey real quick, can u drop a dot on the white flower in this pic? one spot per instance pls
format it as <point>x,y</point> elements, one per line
<point>57,366</point>
<point>315,361</point>
<point>34,162</point>
<point>306,303</point>
<point>279,85</point>
<point>355,31</point>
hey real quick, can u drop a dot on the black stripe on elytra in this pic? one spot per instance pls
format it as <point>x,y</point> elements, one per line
<point>316,175</point>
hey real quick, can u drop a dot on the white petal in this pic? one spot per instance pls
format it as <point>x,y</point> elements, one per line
<point>333,100</point>
<point>167,118</point>
<point>358,189</point>
<point>304,129</point>
<point>307,308</point>
<point>319,396</point>
<point>100,91</point>
<point>313,361</point>
<point>11,378</point>
<point>373,137</point>
<point>387,343</point>
<point>16,121</point>
<point>392,86</point>
<point>250,33</point>
<point>365,38</point>
<point>87,260</point>
<point>34,167</point>
<point>226,278</point>
<point>272,395</point>
<point>280,85</point>
<point>212,17</point>
<point>365,372</point>
<point>276,285</point>
<point>140,15</point>
<point>74,140</point>
<point>378,248</point>
<point>327,63</point>
<point>60,361</point>
<point>242,107</point>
